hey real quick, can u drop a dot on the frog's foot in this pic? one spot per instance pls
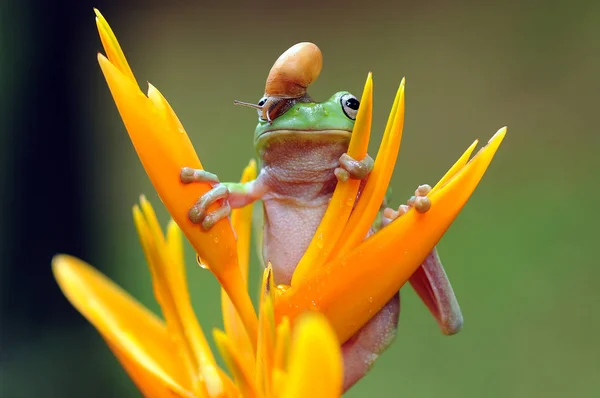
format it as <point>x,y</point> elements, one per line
<point>352,168</point>
<point>419,201</point>
<point>198,212</point>
<point>430,280</point>
<point>361,351</point>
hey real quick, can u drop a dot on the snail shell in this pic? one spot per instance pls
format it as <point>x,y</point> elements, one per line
<point>288,79</point>
<point>294,70</point>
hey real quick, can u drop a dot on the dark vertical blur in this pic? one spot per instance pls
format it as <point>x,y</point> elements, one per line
<point>46,200</point>
<point>44,190</point>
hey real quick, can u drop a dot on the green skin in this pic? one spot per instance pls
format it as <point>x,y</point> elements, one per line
<point>302,154</point>
<point>306,116</point>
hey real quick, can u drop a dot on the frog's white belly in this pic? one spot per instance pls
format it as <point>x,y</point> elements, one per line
<point>288,230</point>
<point>301,180</point>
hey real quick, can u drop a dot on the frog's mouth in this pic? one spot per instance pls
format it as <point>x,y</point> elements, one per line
<point>309,135</point>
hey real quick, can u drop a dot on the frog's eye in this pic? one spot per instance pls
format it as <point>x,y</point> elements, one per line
<point>350,105</point>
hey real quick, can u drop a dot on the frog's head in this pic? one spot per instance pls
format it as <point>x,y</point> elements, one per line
<point>332,119</point>
<point>286,109</point>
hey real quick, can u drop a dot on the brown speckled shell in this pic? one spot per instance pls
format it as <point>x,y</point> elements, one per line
<point>294,70</point>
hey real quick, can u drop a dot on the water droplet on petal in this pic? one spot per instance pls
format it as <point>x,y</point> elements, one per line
<point>201,262</point>
<point>320,243</point>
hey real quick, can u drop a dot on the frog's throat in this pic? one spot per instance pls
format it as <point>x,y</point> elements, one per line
<point>287,134</point>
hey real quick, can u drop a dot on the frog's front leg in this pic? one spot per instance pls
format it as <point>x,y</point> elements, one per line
<point>430,280</point>
<point>232,195</point>
<point>352,168</point>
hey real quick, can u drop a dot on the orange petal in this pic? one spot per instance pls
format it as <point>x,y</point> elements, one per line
<point>241,220</point>
<point>373,193</point>
<point>315,360</point>
<point>136,336</point>
<point>344,196</point>
<point>163,152</point>
<point>167,113</point>
<point>353,287</point>
<point>170,286</point>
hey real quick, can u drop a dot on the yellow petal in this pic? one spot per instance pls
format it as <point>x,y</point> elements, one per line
<point>170,285</point>
<point>353,287</point>
<point>279,380</point>
<point>231,389</point>
<point>136,336</point>
<point>175,245</point>
<point>147,383</point>
<point>235,363</point>
<point>344,196</point>
<point>241,220</point>
<point>460,163</point>
<point>373,193</point>
<point>282,345</point>
<point>315,360</point>
<point>112,47</point>
<point>266,335</point>
<point>163,152</point>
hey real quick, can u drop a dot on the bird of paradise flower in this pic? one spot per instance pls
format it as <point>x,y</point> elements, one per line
<point>299,328</point>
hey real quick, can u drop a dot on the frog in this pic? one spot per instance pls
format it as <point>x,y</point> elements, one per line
<point>302,149</point>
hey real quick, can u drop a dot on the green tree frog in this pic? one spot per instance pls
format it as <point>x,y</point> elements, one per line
<point>302,148</point>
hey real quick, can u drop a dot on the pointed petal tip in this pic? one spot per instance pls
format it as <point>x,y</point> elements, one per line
<point>63,265</point>
<point>58,263</point>
<point>499,134</point>
<point>99,18</point>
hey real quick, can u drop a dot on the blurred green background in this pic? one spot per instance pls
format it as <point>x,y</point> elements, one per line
<point>521,256</point>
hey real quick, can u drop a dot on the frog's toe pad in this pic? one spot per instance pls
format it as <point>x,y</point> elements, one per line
<point>189,175</point>
<point>420,201</point>
<point>341,174</point>
<point>355,169</point>
<point>198,215</point>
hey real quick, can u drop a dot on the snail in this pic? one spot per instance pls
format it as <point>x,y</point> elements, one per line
<point>288,80</point>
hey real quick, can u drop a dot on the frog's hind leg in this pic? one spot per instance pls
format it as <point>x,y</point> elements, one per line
<point>433,287</point>
<point>430,280</point>
<point>361,351</point>
<point>198,212</point>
